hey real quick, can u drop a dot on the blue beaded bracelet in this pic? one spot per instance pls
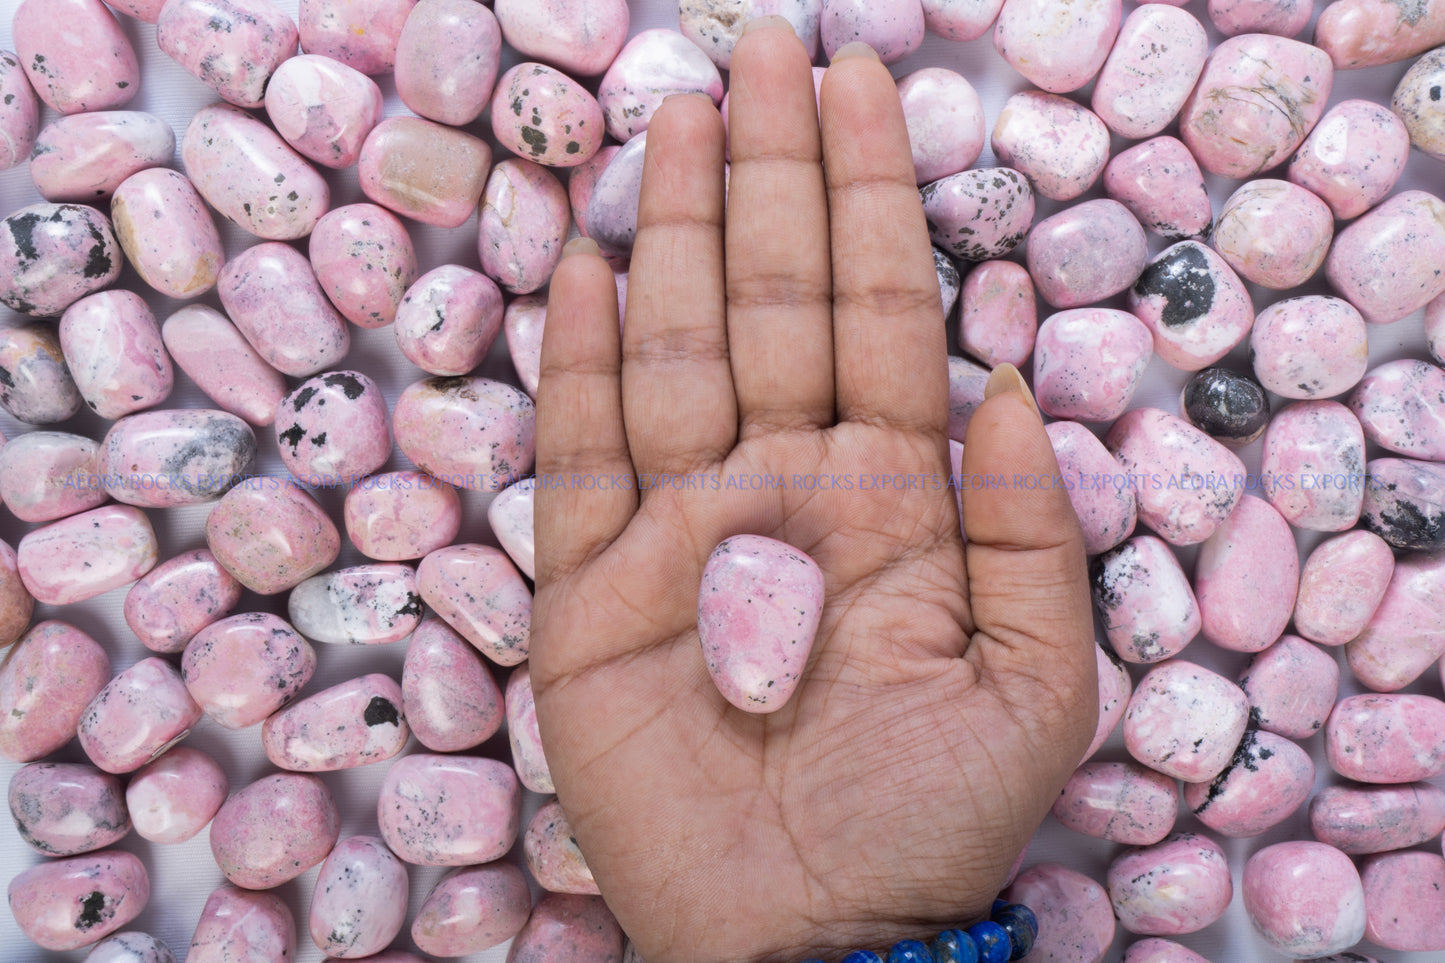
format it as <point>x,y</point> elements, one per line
<point>1008,934</point>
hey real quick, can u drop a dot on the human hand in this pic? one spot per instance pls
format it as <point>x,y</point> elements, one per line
<point>950,691</point>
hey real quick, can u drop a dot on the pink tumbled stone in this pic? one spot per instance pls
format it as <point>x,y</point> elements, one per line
<point>114,351</point>
<point>1177,886</point>
<point>1076,921</point>
<point>245,667</point>
<point>1401,407</point>
<point>478,592</point>
<point>1274,233</point>
<point>46,683</point>
<point>960,19</point>
<point>1055,49</point>
<point>131,947</point>
<point>1194,305</point>
<point>354,723</point>
<point>1185,721</point>
<point>1115,688</point>
<point>1153,65</point>
<point>19,113</point>
<point>362,34</point>
<point>139,714</point>
<point>524,322</point>
<point>274,830</point>
<point>1313,465</point>
<point>237,924</point>
<point>270,535</point>
<point>1435,328</point>
<point>1377,819</point>
<point>173,798</point>
<point>1405,635</point>
<point>1160,184</point>
<point>1387,738</point>
<point>944,117</point>
<point>359,903</point>
<point>1353,157</point>
<point>401,515</point>
<point>76,56</point>
<point>966,384</point>
<point>450,699</point>
<point>893,28</point>
<point>1269,778</point>
<point>522,225</point>
<point>208,348</point>
<point>756,653</point>
<point>64,809</point>
<point>360,605</point>
<point>1304,898</point>
<point>654,65</point>
<point>1207,477</point>
<point>232,46</point>
<point>69,903</point>
<point>1086,253</point>
<point>543,115</point>
<point>447,59</point>
<point>552,854</point>
<point>1341,586</point>
<point>524,735</point>
<point>1121,802</point>
<point>423,170</point>
<point>580,38</point>
<point>1097,490</point>
<point>84,157</point>
<point>175,456</point>
<point>1246,577</point>
<point>979,214</point>
<point>1405,901</point>
<point>1156,950</point>
<point>1367,33</point>
<point>364,261</point>
<point>1309,347</point>
<point>1060,146</point>
<point>1088,362</point>
<point>178,598</point>
<point>510,517</point>
<point>1387,263</point>
<point>147,10</point>
<point>323,108</point>
<point>581,927</point>
<point>449,810</point>
<point>470,432</point>
<point>166,232</point>
<point>333,429</point>
<point>1291,687</point>
<point>48,475</point>
<point>582,181</point>
<point>1284,18</point>
<point>86,555</point>
<point>52,255</point>
<point>998,320</point>
<point>472,909</point>
<point>1144,600</point>
<point>1255,102</point>
<point>448,320</point>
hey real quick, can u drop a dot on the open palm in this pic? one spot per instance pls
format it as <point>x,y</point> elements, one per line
<point>950,691</point>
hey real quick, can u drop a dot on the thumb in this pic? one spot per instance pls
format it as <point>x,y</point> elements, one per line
<point>1027,577</point>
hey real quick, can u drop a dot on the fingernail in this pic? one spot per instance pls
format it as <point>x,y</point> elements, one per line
<point>1007,378</point>
<point>856,48</point>
<point>766,23</point>
<point>583,245</point>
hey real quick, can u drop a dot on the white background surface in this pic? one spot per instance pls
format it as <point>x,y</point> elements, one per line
<point>182,876</point>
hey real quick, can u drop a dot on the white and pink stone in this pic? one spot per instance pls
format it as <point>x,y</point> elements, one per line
<point>1368,33</point>
<point>270,535</point>
<point>1405,503</point>
<point>1309,347</point>
<point>1246,577</point>
<point>1056,48</point>
<point>323,108</point>
<point>1304,898</point>
<point>1185,721</point>
<point>84,157</point>
<point>654,65</point>
<point>139,714</point>
<point>47,475</point>
<point>524,734</point>
<point>359,903</point>
<point>175,456</point>
<point>1121,802</point>
<point>424,170</point>
<point>552,855</point>
<point>46,683</point>
<point>1158,950</point>
<point>69,903</point>
<point>178,598</point>
<point>1313,465</point>
<point>612,208</point>
<point>1087,253</point>
<point>471,432</point>
<point>543,115</point>
<point>40,390</point>
<point>86,555</point>
<point>1341,586</point>
<point>477,591</point>
<point>65,809</point>
<point>979,214</point>
<point>275,301</point>
<point>1353,157</point>
<point>1404,636</point>
<point>77,57</point>
<point>1060,146</point>
<point>998,318</point>
<point>524,322</point>
<point>581,927</point>
<point>251,176</point>
<point>1274,233</point>
<point>274,830</point>
<point>1150,71</point>
<point>582,181</point>
<point>1377,819</point>
<point>207,347</point>
<point>447,59</point>
<point>333,429</point>
<point>1194,305</point>
<point>1160,183</point>
<point>115,353</point>
<point>1100,496</point>
<point>1284,18</point>
<point>1388,738</point>
<point>1256,101</point>
<point>1144,600</point>
<point>364,260</point>
<point>893,28</point>
<point>1269,778</point>
<point>960,19</point>
<point>472,909</point>
<point>166,233</point>
<point>172,798</point>
<point>52,255</point>
<point>522,225</point>
<point>239,924</point>
<point>449,696</point>
<point>1291,687</point>
<point>131,947</point>
<point>401,515</point>
<point>1076,920</point>
<point>448,320</point>
<point>944,117</point>
<point>1418,105</point>
<point>1115,688</point>
<point>1176,886</point>
<point>580,38</point>
<point>361,605</point>
<point>362,34</point>
<point>243,668</point>
<point>19,112</point>
<point>510,516</point>
<point>1088,362</point>
<point>1401,407</point>
<point>147,10</point>
<point>231,46</point>
<point>1405,901</point>
<point>1386,263</point>
<point>449,810</point>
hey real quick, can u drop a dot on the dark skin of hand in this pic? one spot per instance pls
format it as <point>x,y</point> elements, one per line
<point>951,689</point>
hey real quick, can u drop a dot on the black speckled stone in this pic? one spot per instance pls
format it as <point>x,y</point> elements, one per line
<point>1226,405</point>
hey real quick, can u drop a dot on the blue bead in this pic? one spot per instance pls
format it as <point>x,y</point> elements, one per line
<point>993,942</point>
<point>998,904</point>
<point>862,956</point>
<point>909,951</point>
<point>1022,927</point>
<point>954,946</point>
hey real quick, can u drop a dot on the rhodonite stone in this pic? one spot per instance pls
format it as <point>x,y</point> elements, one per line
<point>1057,49</point>
<point>1257,99</point>
<point>472,909</point>
<point>19,113</point>
<point>1076,921</point>
<point>1309,347</point>
<point>46,682</point>
<point>1122,802</point>
<point>523,733</point>
<point>448,320</point>
<point>944,117</point>
<point>243,668</point>
<point>966,384</point>
<point>401,515</point>
<point>231,46</point>
<point>1313,466</point>
<point>1387,263</point>
<point>208,348</point>
<point>566,923</point>
<point>1094,481</point>
<point>16,605</point>
<point>86,555</point>
<point>168,457</point>
<point>139,714</point>
<point>64,809</point>
<point>449,810</point>
<point>546,116</point>
<point>52,255</point>
<point>259,925</point>
<point>472,432</point>
<point>522,225</point>
<point>1115,688</point>
<point>447,59</point>
<point>172,798</point>
<point>132,947</point>
<point>524,321</point>
<point>1377,819</point>
<point>1154,63</point>
<point>1144,599</point>
<point>1086,253</point>
<point>115,354</point>
<point>361,605</point>
<point>1404,636</point>
<point>1284,18</point>
<point>69,903</point>
<point>1367,33</point>
<point>1304,898</point>
<point>1341,585</point>
<point>477,591</point>
<point>270,535</point>
<point>1177,886</point>
<point>949,283</point>
<point>1417,101</point>
<point>84,157</point>
<point>1246,577</point>
<point>274,830</point>
<point>333,428</point>
<point>364,261</point>
<point>893,28</point>
<point>359,33</point>
<point>39,389</point>
<point>999,318</point>
<point>979,214</point>
<point>552,855</point>
<point>1274,233</point>
<point>1193,304</point>
<point>1405,900</point>
<point>1157,950</point>
<point>1291,687</point>
<point>960,19</point>
<point>449,696</point>
<point>1269,778</point>
<point>510,517</point>
<point>272,295</point>
<point>1405,503</point>
<point>1059,146</point>
<point>46,475</point>
<point>1229,406</point>
<point>582,181</point>
<point>1401,407</point>
<point>323,108</point>
<point>1185,721</point>
<point>1073,379</point>
<point>1388,738</point>
<point>583,38</point>
<point>354,723</point>
<point>612,207</point>
<point>359,903</point>
<point>76,56</point>
<point>1160,184</point>
<point>1353,157</point>
<point>423,170</point>
<point>654,65</point>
